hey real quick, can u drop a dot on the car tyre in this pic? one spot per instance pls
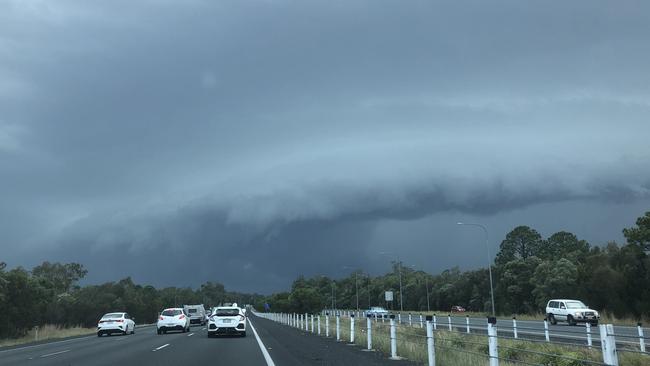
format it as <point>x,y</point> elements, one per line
<point>99,334</point>
<point>594,324</point>
<point>243,334</point>
<point>570,320</point>
<point>159,331</point>
<point>551,319</point>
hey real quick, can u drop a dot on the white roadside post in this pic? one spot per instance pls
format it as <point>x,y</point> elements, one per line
<point>338,327</point>
<point>369,332</point>
<point>383,318</point>
<point>435,322</point>
<point>449,321</point>
<point>431,349</point>
<point>514,326</point>
<point>546,335</point>
<point>492,341</point>
<point>306,322</point>
<point>318,322</point>
<point>467,323</point>
<point>352,320</point>
<point>641,337</point>
<point>588,328</point>
<point>36,334</point>
<point>327,325</point>
<point>608,344</point>
<point>421,322</point>
<point>393,339</point>
<point>410,320</point>
<point>312,323</point>
<point>399,318</point>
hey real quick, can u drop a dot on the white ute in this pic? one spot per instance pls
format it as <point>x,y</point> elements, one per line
<point>227,320</point>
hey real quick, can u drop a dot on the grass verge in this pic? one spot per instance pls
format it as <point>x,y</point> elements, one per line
<point>47,332</point>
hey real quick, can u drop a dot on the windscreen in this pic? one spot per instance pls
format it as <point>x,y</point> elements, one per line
<point>192,311</point>
<point>112,315</point>
<point>575,305</point>
<point>171,312</point>
<point>227,312</point>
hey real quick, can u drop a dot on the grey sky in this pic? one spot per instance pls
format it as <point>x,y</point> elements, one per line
<point>286,137</point>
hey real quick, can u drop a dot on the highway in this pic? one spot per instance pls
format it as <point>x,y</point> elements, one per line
<point>282,346</point>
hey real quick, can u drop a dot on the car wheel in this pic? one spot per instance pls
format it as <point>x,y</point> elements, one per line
<point>243,334</point>
<point>159,331</point>
<point>551,319</point>
<point>164,331</point>
<point>570,320</point>
<point>99,334</point>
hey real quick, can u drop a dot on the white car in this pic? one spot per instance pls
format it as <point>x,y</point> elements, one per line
<point>173,319</point>
<point>227,320</point>
<point>570,311</point>
<point>377,311</point>
<point>115,323</point>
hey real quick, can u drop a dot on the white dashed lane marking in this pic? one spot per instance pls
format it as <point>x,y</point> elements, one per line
<point>161,347</point>
<point>55,353</point>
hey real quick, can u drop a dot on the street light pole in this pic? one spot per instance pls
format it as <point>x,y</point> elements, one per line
<point>487,246</point>
<point>356,283</point>
<point>426,283</point>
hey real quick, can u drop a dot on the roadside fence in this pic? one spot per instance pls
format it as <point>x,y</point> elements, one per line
<point>422,340</point>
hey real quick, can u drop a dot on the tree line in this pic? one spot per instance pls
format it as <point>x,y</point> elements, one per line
<point>528,270</point>
<point>50,294</point>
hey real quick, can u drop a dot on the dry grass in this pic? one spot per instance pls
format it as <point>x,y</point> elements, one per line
<point>46,332</point>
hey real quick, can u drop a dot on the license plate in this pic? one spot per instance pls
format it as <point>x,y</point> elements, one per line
<point>226,320</point>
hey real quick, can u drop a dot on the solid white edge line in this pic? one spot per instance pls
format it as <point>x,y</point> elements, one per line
<point>54,353</point>
<point>265,353</point>
<point>161,347</point>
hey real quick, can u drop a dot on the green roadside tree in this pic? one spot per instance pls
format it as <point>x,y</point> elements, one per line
<point>639,235</point>
<point>520,243</point>
<point>564,244</point>
<point>555,279</point>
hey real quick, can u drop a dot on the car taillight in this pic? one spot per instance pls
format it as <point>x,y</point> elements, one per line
<point>119,320</point>
<point>161,318</point>
<point>181,317</point>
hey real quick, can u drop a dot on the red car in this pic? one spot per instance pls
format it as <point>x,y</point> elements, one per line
<point>457,309</point>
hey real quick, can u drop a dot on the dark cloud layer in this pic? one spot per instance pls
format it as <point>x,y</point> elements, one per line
<point>256,140</point>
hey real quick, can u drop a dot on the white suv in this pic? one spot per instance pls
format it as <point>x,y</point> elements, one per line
<point>570,311</point>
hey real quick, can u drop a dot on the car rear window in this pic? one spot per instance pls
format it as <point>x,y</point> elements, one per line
<point>171,312</point>
<point>227,312</point>
<point>112,315</point>
<point>191,310</point>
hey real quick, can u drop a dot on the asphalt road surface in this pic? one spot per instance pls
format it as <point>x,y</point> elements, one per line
<point>283,346</point>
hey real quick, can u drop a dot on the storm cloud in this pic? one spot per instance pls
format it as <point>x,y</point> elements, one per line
<point>251,141</point>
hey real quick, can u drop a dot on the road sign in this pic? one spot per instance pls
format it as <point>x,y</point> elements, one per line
<point>389,295</point>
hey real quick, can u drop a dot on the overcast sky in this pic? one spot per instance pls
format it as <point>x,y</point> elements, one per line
<point>249,142</point>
